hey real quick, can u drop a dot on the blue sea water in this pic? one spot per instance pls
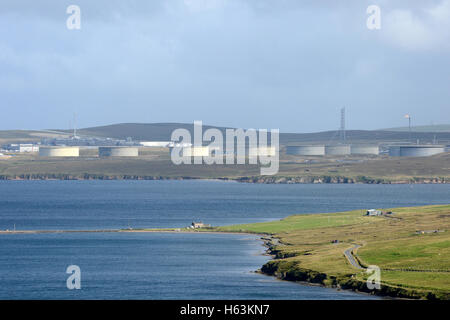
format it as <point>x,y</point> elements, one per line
<point>32,205</point>
<point>158,265</point>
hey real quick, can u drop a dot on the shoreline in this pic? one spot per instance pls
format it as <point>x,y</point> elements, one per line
<point>125,231</point>
<point>268,241</point>
<point>277,179</point>
<point>292,263</point>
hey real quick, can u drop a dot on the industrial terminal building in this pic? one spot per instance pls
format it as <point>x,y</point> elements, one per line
<point>59,151</point>
<point>118,151</point>
<point>21,147</point>
<point>162,144</point>
<point>415,150</point>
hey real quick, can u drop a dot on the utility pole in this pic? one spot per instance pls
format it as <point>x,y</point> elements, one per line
<point>342,129</point>
<point>74,125</point>
<point>407,116</point>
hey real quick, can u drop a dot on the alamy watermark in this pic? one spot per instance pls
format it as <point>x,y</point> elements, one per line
<point>73,22</point>
<point>74,280</point>
<point>374,279</point>
<point>374,20</point>
<point>240,146</point>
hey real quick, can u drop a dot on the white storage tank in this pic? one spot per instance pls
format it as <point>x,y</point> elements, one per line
<point>118,151</point>
<point>361,149</point>
<point>310,150</point>
<point>394,151</point>
<point>337,150</point>
<point>415,150</point>
<point>59,151</point>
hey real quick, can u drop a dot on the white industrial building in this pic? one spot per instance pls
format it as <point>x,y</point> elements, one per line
<point>21,147</point>
<point>162,144</point>
<point>28,147</point>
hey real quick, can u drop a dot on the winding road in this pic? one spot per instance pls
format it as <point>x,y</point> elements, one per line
<point>348,254</point>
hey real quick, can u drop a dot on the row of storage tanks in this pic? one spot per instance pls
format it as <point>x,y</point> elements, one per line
<point>416,150</point>
<point>335,150</point>
<point>339,150</point>
<point>304,150</point>
<point>75,151</point>
<point>203,151</point>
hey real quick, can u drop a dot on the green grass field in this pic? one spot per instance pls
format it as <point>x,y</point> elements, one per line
<point>408,259</point>
<point>300,222</point>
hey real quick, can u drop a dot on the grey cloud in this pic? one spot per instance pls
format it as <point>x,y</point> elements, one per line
<point>287,64</point>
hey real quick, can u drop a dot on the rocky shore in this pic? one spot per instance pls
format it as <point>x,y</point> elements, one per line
<point>291,271</point>
<point>284,269</point>
<point>252,179</point>
<point>341,179</point>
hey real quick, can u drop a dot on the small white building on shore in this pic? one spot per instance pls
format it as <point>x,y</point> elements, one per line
<point>373,212</point>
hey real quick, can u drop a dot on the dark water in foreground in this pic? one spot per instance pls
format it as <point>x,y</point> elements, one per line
<point>144,266</point>
<point>119,204</point>
<point>165,266</point>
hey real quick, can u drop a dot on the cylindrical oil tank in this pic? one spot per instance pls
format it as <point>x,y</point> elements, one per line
<point>337,150</point>
<point>415,150</point>
<point>118,151</point>
<point>311,150</point>
<point>59,151</point>
<point>361,149</point>
<point>394,151</point>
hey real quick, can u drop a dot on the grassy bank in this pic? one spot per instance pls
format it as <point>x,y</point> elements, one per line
<point>155,164</point>
<point>411,247</point>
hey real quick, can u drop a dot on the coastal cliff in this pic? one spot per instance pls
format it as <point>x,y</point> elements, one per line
<point>245,179</point>
<point>291,271</point>
<point>407,245</point>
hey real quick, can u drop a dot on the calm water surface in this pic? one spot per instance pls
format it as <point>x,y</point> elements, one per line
<point>165,266</point>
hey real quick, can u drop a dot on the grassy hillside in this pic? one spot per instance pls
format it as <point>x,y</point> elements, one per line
<point>418,263</point>
<point>162,132</point>
<point>24,136</point>
<point>429,128</point>
<point>139,131</point>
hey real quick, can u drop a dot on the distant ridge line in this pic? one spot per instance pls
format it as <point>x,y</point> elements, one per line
<point>162,132</point>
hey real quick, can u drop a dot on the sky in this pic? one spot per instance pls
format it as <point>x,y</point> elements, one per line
<point>274,64</point>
